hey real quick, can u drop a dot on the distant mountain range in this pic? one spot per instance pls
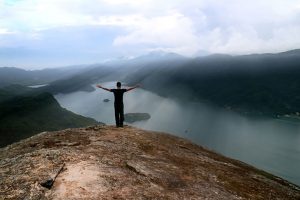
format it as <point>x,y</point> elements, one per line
<point>258,84</point>
<point>12,75</point>
<point>263,84</point>
<point>24,112</point>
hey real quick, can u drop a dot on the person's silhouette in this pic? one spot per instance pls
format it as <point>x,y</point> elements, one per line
<point>119,106</point>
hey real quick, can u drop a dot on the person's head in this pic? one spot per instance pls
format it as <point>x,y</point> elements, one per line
<point>119,84</point>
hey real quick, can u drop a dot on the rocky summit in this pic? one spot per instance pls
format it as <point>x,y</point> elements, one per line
<point>104,162</point>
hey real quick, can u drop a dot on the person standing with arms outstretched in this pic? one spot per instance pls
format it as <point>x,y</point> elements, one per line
<point>119,105</point>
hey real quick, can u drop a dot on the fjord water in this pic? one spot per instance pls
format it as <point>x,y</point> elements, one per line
<point>267,144</point>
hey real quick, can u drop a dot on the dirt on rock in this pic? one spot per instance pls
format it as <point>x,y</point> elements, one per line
<point>104,162</point>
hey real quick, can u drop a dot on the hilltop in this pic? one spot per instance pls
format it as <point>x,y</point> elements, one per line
<point>24,113</point>
<point>104,162</point>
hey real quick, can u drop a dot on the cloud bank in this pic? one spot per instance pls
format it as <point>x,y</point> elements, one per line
<point>58,32</point>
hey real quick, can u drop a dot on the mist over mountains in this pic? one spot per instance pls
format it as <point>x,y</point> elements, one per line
<point>259,84</point>
<point>12,75</point>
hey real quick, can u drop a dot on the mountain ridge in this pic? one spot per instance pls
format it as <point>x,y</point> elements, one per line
<point>255,84</point>
<point>24,114</point>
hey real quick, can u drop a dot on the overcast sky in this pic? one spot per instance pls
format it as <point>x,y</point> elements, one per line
<point>49,33</point>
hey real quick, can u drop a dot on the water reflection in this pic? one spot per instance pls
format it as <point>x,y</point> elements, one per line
<point>267,144</point>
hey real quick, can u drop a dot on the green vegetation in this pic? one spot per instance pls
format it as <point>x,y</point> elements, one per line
<point>134,117</point>
<point>24,115</point>
<point>11,91</point>
<point>266,84</point>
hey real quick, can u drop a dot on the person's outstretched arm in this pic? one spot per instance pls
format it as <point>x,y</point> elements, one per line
<point>99,86</point>
<point>131,88</point>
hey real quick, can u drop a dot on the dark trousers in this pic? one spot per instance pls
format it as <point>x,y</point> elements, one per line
<point>119,114</point>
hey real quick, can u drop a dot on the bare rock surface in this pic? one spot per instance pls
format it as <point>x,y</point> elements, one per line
<point>105,162</point>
